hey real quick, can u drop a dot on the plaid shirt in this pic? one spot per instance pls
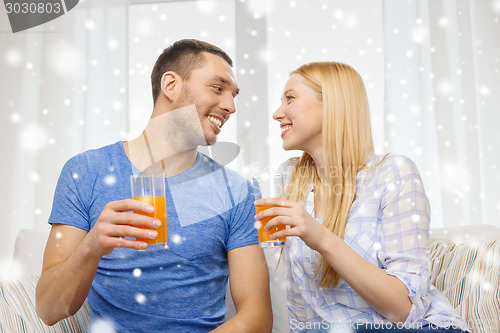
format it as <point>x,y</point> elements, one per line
<point>388,225</point>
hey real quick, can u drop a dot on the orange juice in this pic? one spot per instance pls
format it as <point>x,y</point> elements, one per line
<point>160,213</point>
<point>264,234</point>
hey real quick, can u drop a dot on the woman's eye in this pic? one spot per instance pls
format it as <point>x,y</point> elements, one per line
<point>289,98</point>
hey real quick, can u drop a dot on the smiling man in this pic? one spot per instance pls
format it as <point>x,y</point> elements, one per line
<point>92,251</point>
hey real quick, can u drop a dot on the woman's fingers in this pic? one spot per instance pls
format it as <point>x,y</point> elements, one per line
<point>274,202</point>
<point>277,221</point>
<point>273,211</point>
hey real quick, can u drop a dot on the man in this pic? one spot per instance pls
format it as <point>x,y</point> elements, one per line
<point>92,252</point>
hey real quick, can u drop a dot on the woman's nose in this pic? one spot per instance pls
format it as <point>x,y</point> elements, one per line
<point>278,114</point>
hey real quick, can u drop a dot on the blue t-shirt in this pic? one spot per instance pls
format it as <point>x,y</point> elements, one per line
<point>180,289</point>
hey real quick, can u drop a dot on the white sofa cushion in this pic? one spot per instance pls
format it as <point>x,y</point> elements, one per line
<point>28,252</point>
<point>471,234</point>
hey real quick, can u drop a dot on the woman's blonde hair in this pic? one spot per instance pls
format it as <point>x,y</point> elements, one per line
<point>347,145</point>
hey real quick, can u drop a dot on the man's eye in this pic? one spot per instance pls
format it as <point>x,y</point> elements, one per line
<point>219,89</point>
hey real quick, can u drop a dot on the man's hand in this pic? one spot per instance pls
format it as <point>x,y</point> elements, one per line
<point>72,255</point>
<point>116,222</point>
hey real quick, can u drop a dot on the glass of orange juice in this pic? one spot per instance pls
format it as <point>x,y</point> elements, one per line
<point>268,186</point>
<point>150,188</point>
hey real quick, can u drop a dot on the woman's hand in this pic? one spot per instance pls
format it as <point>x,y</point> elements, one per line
<point>301,223</point>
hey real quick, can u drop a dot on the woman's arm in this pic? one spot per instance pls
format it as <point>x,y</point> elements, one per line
<point>385,293</point>
<point>394,290</point>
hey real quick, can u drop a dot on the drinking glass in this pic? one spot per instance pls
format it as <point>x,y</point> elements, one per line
<point>268,186</point>
<point>150,188</point>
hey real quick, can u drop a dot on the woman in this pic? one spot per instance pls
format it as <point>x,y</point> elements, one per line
<point>360,221</point>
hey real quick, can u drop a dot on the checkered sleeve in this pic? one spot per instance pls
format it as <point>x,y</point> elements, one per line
<point>405,217</point>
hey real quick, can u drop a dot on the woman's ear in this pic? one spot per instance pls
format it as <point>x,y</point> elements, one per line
<point>171,85</point>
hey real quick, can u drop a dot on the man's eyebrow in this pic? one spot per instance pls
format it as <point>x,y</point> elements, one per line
<point>226,82</point>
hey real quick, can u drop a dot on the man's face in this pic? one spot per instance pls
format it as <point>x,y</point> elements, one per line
<point>212,88</point>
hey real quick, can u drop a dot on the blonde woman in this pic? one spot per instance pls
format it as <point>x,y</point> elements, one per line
<point>359,222</point>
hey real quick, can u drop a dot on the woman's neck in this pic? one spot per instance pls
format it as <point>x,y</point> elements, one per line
<point>319,160</point>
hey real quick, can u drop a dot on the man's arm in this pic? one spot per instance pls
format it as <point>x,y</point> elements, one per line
<point>72,255</point>
<point>68,271</point>
<point>249,282</point>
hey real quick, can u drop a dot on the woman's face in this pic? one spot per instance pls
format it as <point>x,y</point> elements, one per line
<point>300,116</point>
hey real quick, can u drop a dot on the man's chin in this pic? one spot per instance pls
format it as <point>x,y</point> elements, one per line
<point>209,141</point>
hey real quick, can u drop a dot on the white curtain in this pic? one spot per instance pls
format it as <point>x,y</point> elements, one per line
<point>63,89</point>
<point>441,102</point>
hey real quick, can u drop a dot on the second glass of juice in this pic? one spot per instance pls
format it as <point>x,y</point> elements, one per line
<point>268,186</point>
<point>150,188</point>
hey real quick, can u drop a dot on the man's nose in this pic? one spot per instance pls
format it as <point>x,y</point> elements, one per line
<point>228,104</point>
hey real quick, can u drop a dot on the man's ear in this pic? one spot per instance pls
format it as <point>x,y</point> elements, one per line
<point>171,85</point>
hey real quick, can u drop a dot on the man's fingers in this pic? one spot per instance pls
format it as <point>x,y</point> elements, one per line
<point>128,231</point>
<point>130,204</point>
<point>136,220</point>
<point>131,244</point>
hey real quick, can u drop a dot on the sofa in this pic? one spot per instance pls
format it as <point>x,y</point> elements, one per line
<point>465,266</point>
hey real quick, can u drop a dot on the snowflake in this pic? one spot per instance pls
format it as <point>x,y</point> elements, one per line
<point>116,105</point>
<point>176,239</point>
<point>90,24</point>
<point>140,298</point>
<point>113,44</point>
<point>145,27</point>
<point>15,117</point>
<point>137,272</point>
<point>13,57</point>
<point>419,35</point>
<point>443,22</point>
<point>484,91</point>
<point>33,138</point>
<point>102,326</point>
<point>110,180</point>
<point>351,21</point>
<point>206,7</point>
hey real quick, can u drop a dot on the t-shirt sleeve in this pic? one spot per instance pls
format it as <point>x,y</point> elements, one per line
<point>70,203</point>
<point>242,229</point>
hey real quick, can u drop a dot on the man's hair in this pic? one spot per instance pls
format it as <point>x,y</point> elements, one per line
<point>182,57</point>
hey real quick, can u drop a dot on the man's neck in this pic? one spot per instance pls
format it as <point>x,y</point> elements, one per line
<point>169,142</point>
<point>170,161</point>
